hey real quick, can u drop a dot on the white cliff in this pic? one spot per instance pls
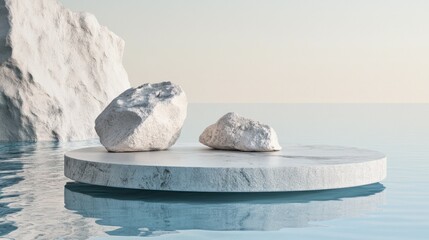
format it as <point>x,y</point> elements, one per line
<point>58,70</point>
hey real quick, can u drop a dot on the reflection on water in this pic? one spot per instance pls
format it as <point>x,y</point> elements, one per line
<point>138,212</point>
<point>31,192</point>
<point>10,165</point>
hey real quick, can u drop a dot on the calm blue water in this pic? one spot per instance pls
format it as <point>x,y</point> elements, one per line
<point>38,202</point>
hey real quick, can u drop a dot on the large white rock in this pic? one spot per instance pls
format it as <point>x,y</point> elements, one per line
<point>58,71</point>
<point>233,132</point>
<point>146,118</point>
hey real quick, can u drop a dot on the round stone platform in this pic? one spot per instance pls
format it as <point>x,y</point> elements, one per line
<point>199,169</point>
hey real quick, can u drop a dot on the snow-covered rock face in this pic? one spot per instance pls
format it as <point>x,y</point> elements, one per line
<point>233,132</point>
<point>146,118</point>
<point>58,71</point>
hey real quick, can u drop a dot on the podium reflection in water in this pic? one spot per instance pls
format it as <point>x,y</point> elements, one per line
<point>138,212</point>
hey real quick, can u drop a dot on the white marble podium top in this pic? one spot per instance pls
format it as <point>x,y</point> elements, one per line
<point>194,156</point>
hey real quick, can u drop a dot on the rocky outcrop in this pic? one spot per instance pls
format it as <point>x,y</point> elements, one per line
<point>233,132</point>
<point>58,71</point>
<point>146,118</point>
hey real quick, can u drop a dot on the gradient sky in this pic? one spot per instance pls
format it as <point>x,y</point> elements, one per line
<point>275,50</point>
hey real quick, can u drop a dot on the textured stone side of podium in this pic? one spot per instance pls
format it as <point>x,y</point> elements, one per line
<point>269,178</point>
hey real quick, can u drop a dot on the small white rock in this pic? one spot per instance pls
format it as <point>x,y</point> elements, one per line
<point>233,132</point>
<point>146,118</point>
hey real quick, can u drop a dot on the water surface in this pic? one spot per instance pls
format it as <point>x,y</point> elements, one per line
<point>38,202</point>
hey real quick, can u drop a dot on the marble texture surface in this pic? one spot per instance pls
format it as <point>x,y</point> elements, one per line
<point>195,168</point>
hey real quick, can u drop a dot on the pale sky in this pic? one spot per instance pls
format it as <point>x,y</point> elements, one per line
<point>330,51</point>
